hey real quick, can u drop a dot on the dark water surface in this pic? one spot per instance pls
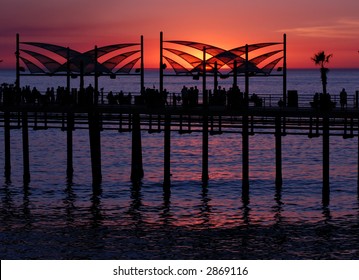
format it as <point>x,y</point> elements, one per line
<point>52,219</point>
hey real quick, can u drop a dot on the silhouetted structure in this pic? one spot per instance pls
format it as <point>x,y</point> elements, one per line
<point>229,111</point>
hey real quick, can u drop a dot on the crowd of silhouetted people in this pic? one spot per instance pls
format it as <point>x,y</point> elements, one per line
<point>9,95</point>
<point>233,98</point>
<point>188,97</point>
<point>324,101</point>
<point>119,99</point>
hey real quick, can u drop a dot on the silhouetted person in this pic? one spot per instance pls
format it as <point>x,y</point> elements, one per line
<point>184,95</point>
<point>315,102</point>
<point>129,98</point>
<point>325,101</point>
<point>90,94</point>
<point>256,100</point>
<point>36,95</point>
<point>280,103</point>
<point>343,98</point>
<point>174,100</point>
<point>316,99</point>
<point>111,98</point>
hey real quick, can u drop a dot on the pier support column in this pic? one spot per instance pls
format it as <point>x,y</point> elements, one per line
<point>358,162</point>
<point>278,153</point>
<point>95,148</point>
<point>7,145</point>
<point>205,123</point>
<point>326,189</point>
<point>25,148</point>
<point>205,150</point>
<point>70,127</point>
<point>136,165</point>
<point>167,153</point>
<point>245,158</point>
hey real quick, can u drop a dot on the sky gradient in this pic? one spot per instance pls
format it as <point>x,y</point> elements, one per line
<point>310,25</point>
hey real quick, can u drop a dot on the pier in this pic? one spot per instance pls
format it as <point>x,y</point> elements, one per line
<point>200,112</point>
<point>213,120</point>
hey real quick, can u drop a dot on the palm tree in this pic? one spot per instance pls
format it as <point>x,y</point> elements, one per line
<point>322,59</point>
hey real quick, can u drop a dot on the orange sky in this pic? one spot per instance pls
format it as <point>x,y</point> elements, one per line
<point>310,25</point>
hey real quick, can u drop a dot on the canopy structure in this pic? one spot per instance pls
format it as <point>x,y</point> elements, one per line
<point>53,59</point>
<point>186,58</point>
<point>189,58</point>
<point>43,59</point>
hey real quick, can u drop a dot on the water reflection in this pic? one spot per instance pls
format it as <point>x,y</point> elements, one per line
<point>134,210</point>
<point>278,207</point>
<point>166,215</point>
<point>8,204</point>
<point>69,202</point>
<point>26,207</point>
<point>205,207</point>
<point>326,214</point>
<point>96,211</point>
<point>246,210</point>
<point>96,189</point>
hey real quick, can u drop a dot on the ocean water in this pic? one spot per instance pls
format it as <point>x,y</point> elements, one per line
<point>52,218</point>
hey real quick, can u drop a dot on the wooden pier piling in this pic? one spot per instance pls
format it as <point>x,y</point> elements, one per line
<point>95,148</point>
<point>205,122</point>
<point>205,175</point>
<point>245,133</point>
<point>278,152</point>
<point>7,145</point>
<point>69,130</point>
<point>25,148</point>
<point>167,152</point>
<point>326,188</point>
<point>358,164</point>
<point>136,162</point>
<point>245,157</point>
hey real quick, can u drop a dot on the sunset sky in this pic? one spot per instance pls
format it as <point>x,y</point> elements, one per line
<point>310,25</point>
